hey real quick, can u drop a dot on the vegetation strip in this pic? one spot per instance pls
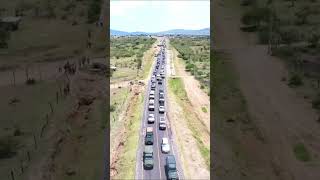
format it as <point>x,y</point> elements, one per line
<point>177,87</point>
<point>127,160</point>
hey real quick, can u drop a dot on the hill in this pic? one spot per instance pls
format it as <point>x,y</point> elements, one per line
<point>205,31</point>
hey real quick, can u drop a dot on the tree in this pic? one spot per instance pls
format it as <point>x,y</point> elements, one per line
<point>4,37</point>
<point>303,14</point>
<point>313,39</point>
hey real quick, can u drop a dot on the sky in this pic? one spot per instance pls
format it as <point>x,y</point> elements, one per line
<point>156,16</point>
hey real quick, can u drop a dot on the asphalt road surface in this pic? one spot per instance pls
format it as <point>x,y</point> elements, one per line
<point>158,171</point>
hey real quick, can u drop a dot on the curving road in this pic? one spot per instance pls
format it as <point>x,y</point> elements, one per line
<point>158,171</point>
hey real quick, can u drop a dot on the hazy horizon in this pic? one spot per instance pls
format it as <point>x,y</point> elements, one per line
<point>156,16</point>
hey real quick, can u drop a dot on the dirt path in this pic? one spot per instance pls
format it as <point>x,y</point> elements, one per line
<point>283,117</point>
<point>189,154</point>
<point>197,97</point>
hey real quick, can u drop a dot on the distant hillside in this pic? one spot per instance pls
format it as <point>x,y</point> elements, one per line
<point>205,31</point>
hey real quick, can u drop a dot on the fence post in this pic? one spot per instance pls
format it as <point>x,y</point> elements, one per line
<point>12,175</point>
<point>51,107</point>
<point>21,161</point>
<point>14,78</point>
<point>47,118</point>
<point>28,154</point>
<point>40,73</point>
<point>57,95</point>
<point>35,141</point>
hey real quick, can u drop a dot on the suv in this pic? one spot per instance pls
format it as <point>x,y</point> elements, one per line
<point>149,136</point>
<point>171,168</point>
<point>153,86</point>
<point>148,157</point>
<point>160,81</point>
<point>151,118</point>
<point>162,123</point>
<point>165,147</point>
<point>161,109</point>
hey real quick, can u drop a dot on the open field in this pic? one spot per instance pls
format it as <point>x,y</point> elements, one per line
<point>45,132</point>
<point>195,52</point>
<point>131,56</point>
<point>295,39</point>
<point>284,124</point>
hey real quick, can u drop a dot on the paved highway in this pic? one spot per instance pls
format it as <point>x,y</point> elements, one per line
<point>158,171</point>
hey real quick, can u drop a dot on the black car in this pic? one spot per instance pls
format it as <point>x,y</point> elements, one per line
<point>159,82</point>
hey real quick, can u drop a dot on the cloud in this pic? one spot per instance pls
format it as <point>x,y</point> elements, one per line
<point>123,8</point>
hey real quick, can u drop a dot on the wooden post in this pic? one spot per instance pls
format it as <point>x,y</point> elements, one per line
<point>57,96</point>
<point>27,73</point>
<point>12,175</point>
<point>35,141</point>
<point>28,155</point>
<point>21,163</point>
<point>40,73</point>
<point>51,107</point>
<point>14,77</point>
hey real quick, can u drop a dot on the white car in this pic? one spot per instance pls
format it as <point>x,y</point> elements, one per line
<point>162,123</point>
<point>165,147</point>
<point>151,118</point>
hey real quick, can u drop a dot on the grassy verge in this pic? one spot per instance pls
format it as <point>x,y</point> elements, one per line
<point>148,61</point>
<point>301,152</point>
<point>230,115</point>
<point>127,161</point>
<point>118,100</point>
<point>177,87</point>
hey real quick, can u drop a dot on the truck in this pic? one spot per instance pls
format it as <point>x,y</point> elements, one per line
<point>149,136</point>
<point>171,168</point>
<point>148,157</point>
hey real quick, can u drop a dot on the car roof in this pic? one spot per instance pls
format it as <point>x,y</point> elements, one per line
<point>170,159</point>
<point>165,140</point>
<point>149,129</point>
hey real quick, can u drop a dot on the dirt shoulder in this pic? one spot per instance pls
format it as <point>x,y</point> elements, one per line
<point>199,99</point>
<point>190,142</point>
<point>283,118</point>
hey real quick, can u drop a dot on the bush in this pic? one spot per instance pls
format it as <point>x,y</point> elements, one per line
<point>94,11</point>
<point>301,152</point>
<point>189,67</point>
<point>255,16</point>
<point>263,36</point>
<point>288,36</point>
<point>295,80</point>
<point>112,108</point>
<point>8,147</point>
<point>316,102</point>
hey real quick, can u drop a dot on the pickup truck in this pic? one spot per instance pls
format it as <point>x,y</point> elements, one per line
<point>148,157</point>
<point>171,168</point>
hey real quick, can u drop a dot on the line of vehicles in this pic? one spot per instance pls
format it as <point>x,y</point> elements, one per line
<point>157,79</point>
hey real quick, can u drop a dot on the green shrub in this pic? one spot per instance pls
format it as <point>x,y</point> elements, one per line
<point>94,11</point>
<point>301,152</point>
<point>316,102</point>
<point>8,147</point>
<point>255,16</point>
<point>112,108</point>
<point>295,80</point>
<point>263,36</point>
<point>189,67</point>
